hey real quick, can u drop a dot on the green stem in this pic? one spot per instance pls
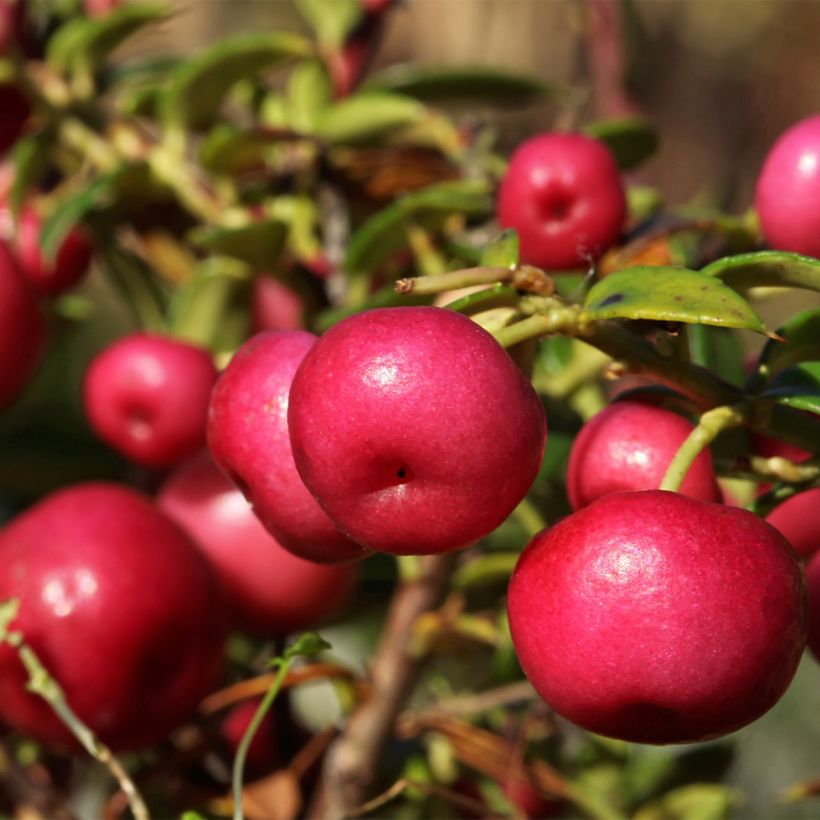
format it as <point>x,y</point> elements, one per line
<point>247,738</point>
<point>529,517</point>
<point>556,318</point>
<point>441,282</point>
<point>711,423</point>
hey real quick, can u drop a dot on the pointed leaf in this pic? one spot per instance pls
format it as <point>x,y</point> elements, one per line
<point>30,159</point>
<point>797,387</point>
<point>767,269</point>
<point>197,88</point>
<point>385,232</point>
<point>91,40</point>
<point>502,252</point>
<point>259,244</point>
<point>802,342</point>
<point>670,295</point>
<point>446,83</point>
<point>631,139</point>
<point>332,20</point>
<point>367,115</point>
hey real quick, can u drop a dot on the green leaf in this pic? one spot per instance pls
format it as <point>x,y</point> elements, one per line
<point>212,305</point>
<point>259,244</point>
<point>30,159</point>
<point>797,387</point>
<point>502,252</point>
<point>699,801</point>
<point>446,83</point>
<point>309,95</point>
<point>137,285</point>
<point>670,295</point>
<point>802,342</point>
<point>717,349</point>
<point>631,139</point>
<point>486,570</point>
<point>332,20</point>
<point>230,150</point>
<point>91,40</point>
<point>767,269</point>
<point>367,115</point>
<point>493,296</point>
<point>197,88</point>
<point>72,210</point>
<point>385,232</point>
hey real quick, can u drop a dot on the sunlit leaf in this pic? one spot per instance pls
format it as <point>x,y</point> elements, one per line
<point>309,94</point>
<point>332,20</point>
<point>367,115</point>
<point>671,295</point>
<point>767,269</point>
<point>502,252</point>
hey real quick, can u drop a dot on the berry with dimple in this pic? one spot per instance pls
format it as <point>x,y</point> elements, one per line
<point>787,197</point>
<point>22,329</point>
<point>248,437</point>
<point>147,396</point>
<point>119,606</point>
<point>656,618</point>
<point>269,590</point>
<point>414,429</point>
<point>628,446</point>
<point>564,196</point>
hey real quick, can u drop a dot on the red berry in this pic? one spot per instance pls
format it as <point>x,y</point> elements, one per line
<point>147,396</point>
<point>275,306</point>
<point>248,437</point>
<point>653,617</point>
<point>564,196</point>
<point>119,606</point>
<point>70,264</point>
<point>628,446</point>
<point>22,330</point>
<point>414,429</point>
<point>798,518</point>
<point>269,590</point>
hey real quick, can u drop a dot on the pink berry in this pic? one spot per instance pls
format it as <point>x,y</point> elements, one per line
<point>628,446</point>
<point>119,606</point>
<point>269,590</point>
<point>414,429</point>
<point>798,518</point>
<point>564,196</point>
<point>22,330</point>
<point>147,396</point>
<point>787,198</point>
<point>274,306</point>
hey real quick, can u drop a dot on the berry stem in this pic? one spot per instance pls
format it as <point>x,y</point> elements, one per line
<point>711,423</point>
<point>441,282</point>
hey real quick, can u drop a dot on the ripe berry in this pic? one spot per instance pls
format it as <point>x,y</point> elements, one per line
<point>248,437</point>
<point>147,396</point>
<point>628,446</point>
<point>798,518</point>
<point>269,590</point>
<point>788,190</point>
<point>414,429</point>
<point>50,278</point>
<point>274,306</point>
<point>564,196</point>
<point>653,617</point>
<point>22,330</point>
<point>119,606</point>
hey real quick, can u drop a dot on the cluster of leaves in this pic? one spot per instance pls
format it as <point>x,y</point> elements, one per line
<point>272,155</point>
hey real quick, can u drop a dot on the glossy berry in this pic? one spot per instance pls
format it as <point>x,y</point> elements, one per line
<point>798,518</point>
<point>564,196</point>
<point>269,591</point>
<point>51,277</point>
<point>628,446</point>
<point>147,396</point>
<point>15,111</point>
<point>414,429</point>
<point>248,437</point>
<point>22,330</point>
<point>787,197</point>
<point>652,617</point>
<point>119,606</point>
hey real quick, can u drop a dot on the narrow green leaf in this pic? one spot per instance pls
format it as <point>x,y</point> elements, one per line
<point>802,342</point>
<point>767,269</point>
<point>493,296</point>
<point>797,387</point>
<point>197,88</point>
<point>137,285</point>
<point>91,40</point>
<point>332,20</point>
<point>502,252</point>
<point>367,115</point>
<point>631,139</point>
<point>385,232</point>
<point>72,210</point>
<point>717,349</point>
<point>670,295</point>
<point>259,244</point>
<point>309,95</point>
<point>447,83</point>
<point>30,158</point>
